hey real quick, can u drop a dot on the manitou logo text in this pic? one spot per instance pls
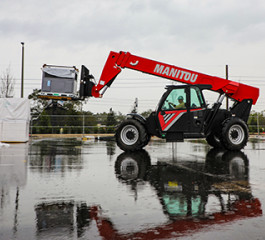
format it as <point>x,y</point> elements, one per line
<point>175,73</point>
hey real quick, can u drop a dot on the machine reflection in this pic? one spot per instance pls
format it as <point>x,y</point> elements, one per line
<point>55,155</point>
<point>193,194</point>
<point>55,218</point>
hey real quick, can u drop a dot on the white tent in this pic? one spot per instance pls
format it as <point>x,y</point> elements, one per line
<point>14,119</point>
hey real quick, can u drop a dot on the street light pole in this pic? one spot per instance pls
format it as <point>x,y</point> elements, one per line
<point>22,71</point>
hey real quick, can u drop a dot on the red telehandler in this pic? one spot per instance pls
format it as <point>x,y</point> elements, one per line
<point>182,111</point>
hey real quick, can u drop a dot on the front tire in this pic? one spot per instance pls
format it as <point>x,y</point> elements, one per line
<point>131,135</point>
<point>234,134</point>
<point>132,166</point>
<point>214,141</point>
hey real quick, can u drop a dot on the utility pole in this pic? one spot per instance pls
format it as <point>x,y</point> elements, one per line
<point>22,71</point>
<point>226,77</point>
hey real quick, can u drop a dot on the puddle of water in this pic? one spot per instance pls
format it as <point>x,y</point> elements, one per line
<point>68,189</point>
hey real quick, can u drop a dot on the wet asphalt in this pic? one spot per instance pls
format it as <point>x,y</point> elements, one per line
<point>73,189</point>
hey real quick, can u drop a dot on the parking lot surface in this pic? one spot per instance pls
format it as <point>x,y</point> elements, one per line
<point>73,189</point>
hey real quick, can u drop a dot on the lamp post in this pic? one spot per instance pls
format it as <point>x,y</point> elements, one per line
<point>22,71</point>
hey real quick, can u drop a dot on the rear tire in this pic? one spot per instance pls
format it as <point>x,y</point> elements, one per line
<point>234,134</point>
<point>131,135</point>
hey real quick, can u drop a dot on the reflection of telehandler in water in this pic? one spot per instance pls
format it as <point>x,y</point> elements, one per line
<point>185,190</point>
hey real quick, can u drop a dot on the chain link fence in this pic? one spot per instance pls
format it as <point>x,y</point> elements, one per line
<point>71,124</point>
<point>90,124</point>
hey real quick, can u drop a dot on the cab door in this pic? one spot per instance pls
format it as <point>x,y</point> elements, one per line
<point>184,118</point>
<point>197,108</point>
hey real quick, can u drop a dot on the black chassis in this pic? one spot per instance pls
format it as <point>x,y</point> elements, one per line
<point>212,118</point>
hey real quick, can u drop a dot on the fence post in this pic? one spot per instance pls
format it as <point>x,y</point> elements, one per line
<point>83,125</point>
<point>258,122</point>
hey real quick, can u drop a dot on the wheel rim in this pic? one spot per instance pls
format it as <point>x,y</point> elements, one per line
<point>237,168</point>
<point>129,135</point>
<point>129,169</point>
<point>236,134</point>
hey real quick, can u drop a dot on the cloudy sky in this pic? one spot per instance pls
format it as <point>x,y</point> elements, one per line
<point>200,35</point>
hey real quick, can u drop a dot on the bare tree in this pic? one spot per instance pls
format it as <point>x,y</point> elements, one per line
<point>7,84</point>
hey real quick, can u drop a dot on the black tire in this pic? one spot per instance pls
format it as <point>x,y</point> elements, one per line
<point>234,134</point>
<point>131,135</point>
<point>132,166</point>
<point>234,164</point>
<point>214,141</point>
<point>238,165</point>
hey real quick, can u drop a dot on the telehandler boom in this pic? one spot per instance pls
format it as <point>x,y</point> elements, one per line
<point>181,112</point>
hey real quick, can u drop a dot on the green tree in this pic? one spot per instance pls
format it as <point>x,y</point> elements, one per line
<point>47,113</point>
<point>111,120</point>
<point>256,122</point>
<point>37,104</point>
<point>120,117</point>
<point>146,114</point>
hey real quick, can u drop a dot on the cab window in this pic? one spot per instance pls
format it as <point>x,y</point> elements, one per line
<point>175,100</point>
<point>196,100</point>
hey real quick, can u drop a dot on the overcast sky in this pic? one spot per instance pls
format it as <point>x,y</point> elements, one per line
<point>200,35</point>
